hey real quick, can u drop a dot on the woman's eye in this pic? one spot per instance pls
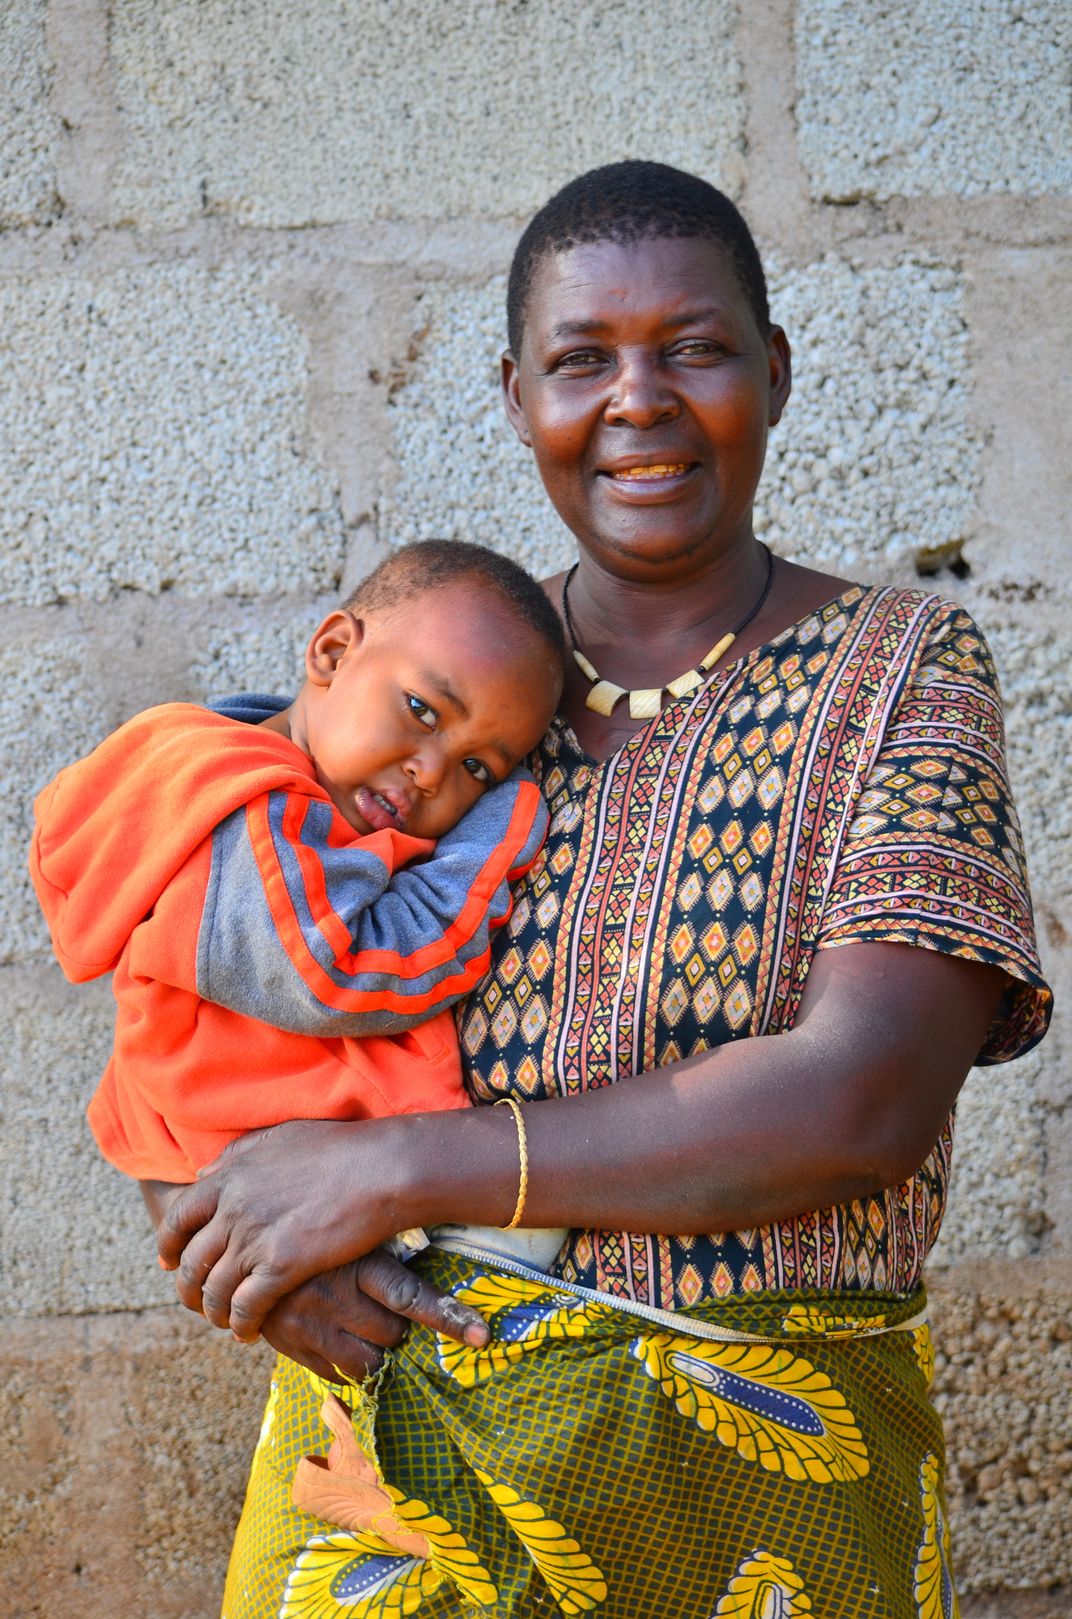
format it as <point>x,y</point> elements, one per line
<point>477,768</point>
<point>578,360</point>
<point>420,710</point>
<point>697,348</point>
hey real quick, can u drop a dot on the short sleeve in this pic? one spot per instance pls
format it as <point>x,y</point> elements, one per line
<point>933,855</point>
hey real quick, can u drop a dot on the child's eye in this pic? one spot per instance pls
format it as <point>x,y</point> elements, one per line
<point>421,710</point>
<point>477,768</point>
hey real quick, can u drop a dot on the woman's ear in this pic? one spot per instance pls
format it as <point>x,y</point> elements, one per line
<point>339,634</point>
<point>780,360</point>
<point>511,388</point>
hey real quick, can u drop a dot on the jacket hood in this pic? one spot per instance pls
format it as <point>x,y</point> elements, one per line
<point>112,831</point>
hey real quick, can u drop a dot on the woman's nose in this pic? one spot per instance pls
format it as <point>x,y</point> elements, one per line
<point>641,394</point>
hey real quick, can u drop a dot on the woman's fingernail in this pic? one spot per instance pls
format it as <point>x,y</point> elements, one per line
<point>476,1335</point>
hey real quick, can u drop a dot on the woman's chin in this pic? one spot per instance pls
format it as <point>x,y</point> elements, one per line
<point>648,542</point>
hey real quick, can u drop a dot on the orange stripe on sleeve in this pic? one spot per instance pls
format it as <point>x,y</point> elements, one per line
<point>390,963</point>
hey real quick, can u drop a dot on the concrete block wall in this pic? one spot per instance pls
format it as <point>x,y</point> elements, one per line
<point>251,272</point>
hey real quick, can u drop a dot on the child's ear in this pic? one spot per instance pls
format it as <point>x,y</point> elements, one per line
<point>339,634</point>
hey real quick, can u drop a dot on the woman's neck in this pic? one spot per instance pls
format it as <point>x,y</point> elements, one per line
<point>641,632</point>
<point>641,635</point>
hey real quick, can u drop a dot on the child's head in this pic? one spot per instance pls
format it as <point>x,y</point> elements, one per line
<point>430,684</point>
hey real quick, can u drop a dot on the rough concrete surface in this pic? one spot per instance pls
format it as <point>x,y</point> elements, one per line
<point>152,437</point>
<point>926,97</point>
<point>74,1234</point>
<point>1019,310</point>
<point>1003,1371</point>
<point>874,458</point>
<point>997,1199</point>
<point>28,128</point>
<point>258,652</point>
<point>124,1442</point>
<point>461,471</point>
<point>409,110</point>
<point>1036,685</point>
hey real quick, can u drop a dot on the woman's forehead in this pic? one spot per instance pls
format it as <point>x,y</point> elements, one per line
<point>596,282</point>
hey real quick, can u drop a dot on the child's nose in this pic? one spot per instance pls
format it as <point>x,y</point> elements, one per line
<point>425,767</point>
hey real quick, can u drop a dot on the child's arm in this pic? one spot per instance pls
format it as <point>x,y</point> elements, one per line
<point>326,937</point>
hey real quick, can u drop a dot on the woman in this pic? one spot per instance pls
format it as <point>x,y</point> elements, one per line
<point>784,884</point>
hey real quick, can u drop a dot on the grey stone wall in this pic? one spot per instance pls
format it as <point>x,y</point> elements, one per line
<point>251,262</point>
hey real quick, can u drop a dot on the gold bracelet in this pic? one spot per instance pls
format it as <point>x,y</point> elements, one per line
<point>523,1160</point>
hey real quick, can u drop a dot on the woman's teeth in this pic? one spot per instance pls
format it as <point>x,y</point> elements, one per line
<point>638,474</point>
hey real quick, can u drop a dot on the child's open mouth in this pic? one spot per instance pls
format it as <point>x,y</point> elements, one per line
<point>382,809</point>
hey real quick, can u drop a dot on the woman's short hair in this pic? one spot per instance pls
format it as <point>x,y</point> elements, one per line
<point>633,201</point>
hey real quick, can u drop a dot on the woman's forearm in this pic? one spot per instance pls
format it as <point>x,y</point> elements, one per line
<point>849,1101</point>
<point>724,1141</point>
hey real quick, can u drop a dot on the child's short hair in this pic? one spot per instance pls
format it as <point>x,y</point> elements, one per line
<point>433,564</point>
<point>633,201</point>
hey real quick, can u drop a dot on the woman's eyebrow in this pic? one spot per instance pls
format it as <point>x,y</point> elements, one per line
<point>685,317</point>
<point>577,328</point>
<point>705,312</point>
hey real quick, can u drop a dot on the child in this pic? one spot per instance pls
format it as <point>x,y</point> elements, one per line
<point>283,929</point>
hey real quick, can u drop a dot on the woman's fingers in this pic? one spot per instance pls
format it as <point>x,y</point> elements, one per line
<point>186,1214</point>
<point>400,1289</point>
<point>244,1301</point>
<point>336,1323</point>
<point>201,1255</point>
<point>218,1295</point>
<point>331,1326</point>
<point>213,1278</point>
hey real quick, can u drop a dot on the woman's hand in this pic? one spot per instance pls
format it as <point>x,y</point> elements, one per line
<point>343,1321</point>
<point>278,1207</point>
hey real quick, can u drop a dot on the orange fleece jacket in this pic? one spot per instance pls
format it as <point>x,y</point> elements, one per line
<point>268,962</point>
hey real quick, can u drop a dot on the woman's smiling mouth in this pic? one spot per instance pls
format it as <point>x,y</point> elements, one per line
<point>668,469</point>
<point>656,480</point>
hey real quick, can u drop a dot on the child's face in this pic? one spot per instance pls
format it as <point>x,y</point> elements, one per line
<point>409,713</point>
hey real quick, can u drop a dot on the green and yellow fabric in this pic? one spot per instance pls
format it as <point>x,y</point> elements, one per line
<point>762,1457</point>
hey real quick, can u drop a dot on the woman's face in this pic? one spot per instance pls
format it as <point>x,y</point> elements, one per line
<point>645,390</point>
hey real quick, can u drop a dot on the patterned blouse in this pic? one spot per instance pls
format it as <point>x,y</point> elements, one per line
<point>845,782</point>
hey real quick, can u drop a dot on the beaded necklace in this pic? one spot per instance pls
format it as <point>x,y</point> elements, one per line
<point>646,701</point>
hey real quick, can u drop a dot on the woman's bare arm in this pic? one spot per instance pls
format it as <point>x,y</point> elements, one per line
<point>848,1101</point>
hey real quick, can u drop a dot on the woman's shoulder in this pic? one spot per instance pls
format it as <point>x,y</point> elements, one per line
<point>934,616</point>
<point>808,590</point>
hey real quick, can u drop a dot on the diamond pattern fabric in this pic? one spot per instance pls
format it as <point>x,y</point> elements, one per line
<point>844,783</point>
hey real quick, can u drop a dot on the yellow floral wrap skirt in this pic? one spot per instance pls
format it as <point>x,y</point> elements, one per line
<point>760,1457</point>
